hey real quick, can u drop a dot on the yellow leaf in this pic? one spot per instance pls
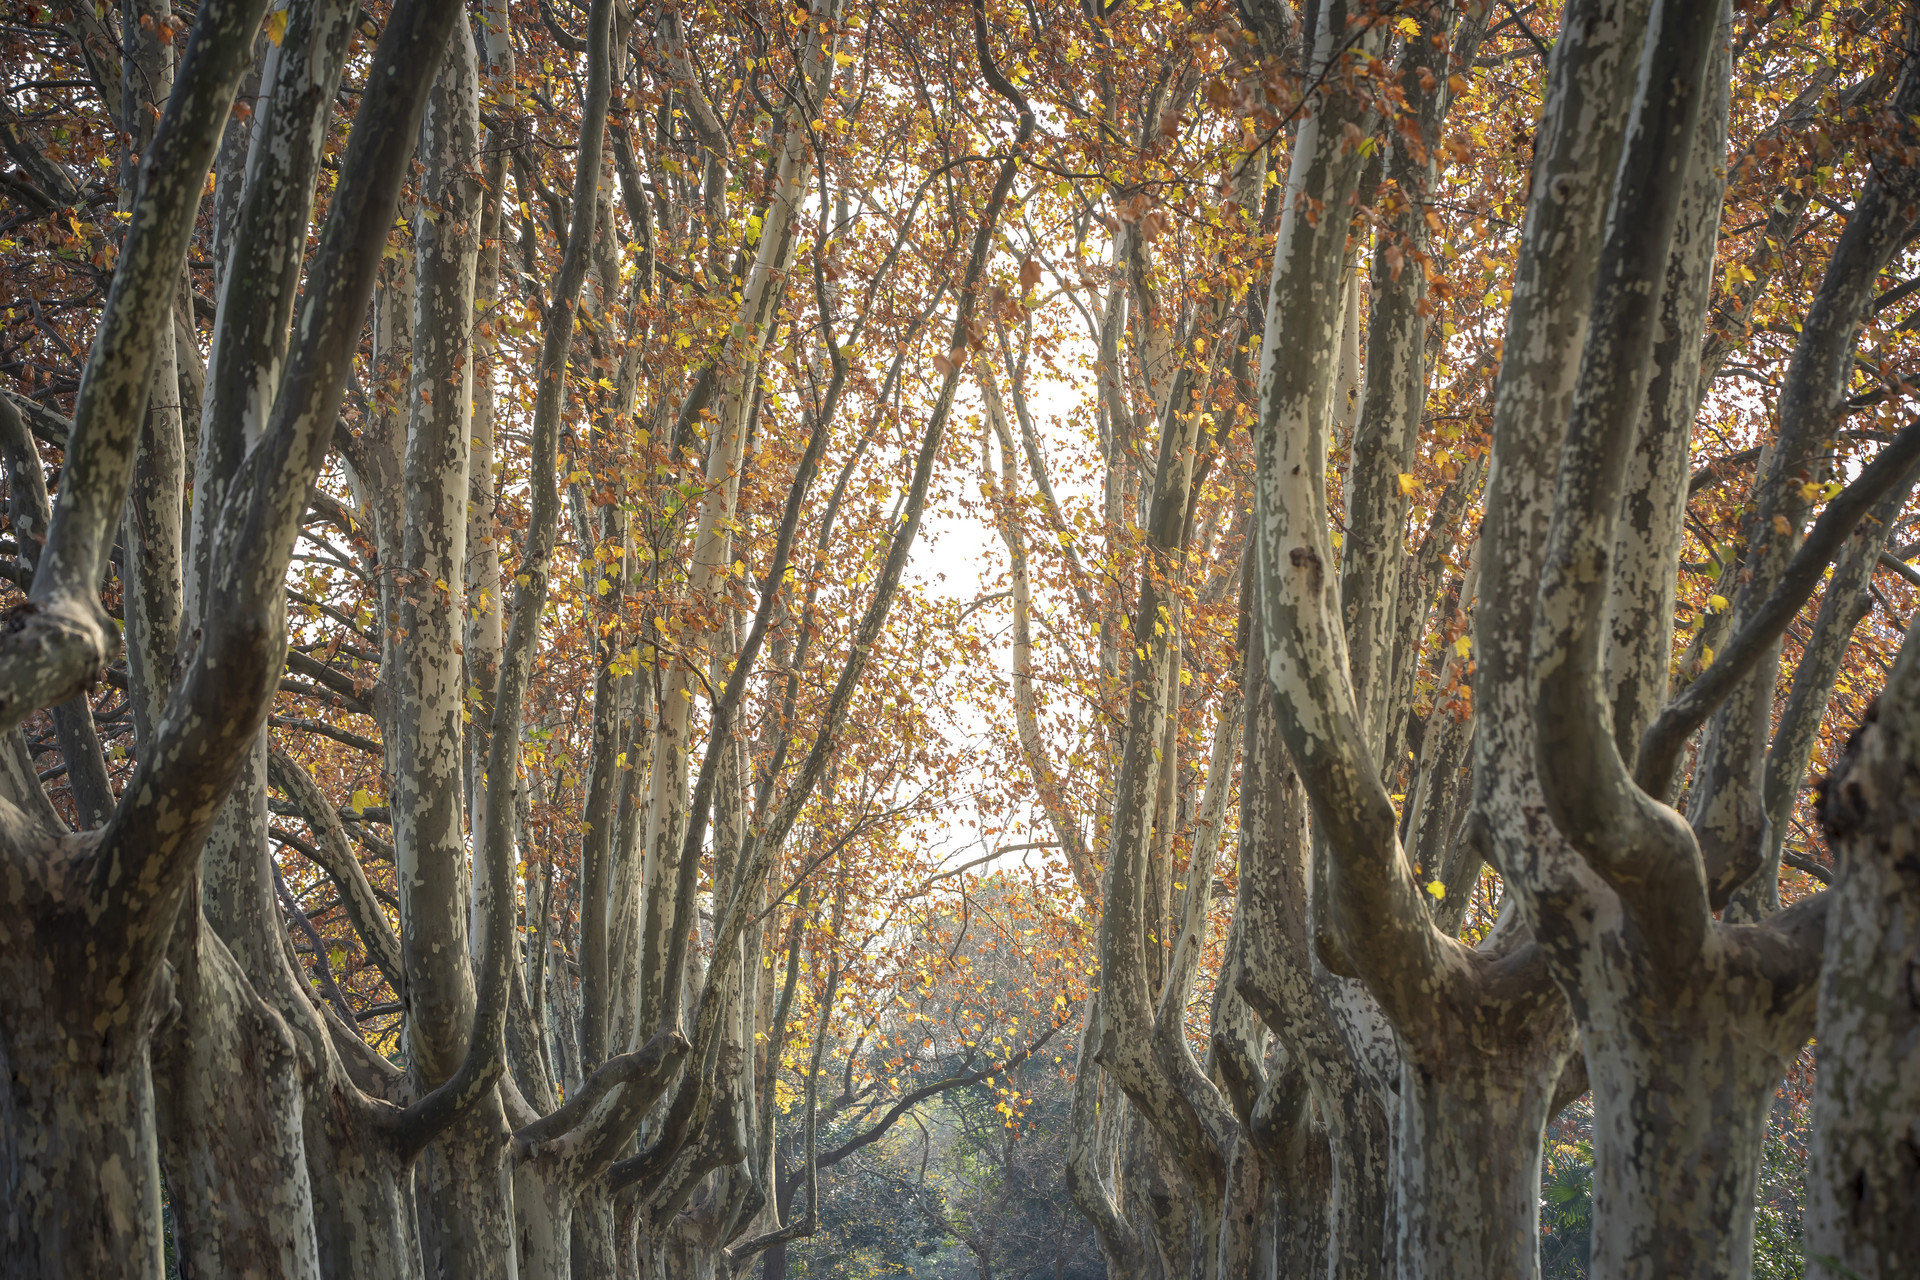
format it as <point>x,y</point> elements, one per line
<point>1408,483</point>
<point>277,26</point>
<point>1463,646</point>
<point>360,800</point>
<point>1437,889</point>
<point>1717,602</point>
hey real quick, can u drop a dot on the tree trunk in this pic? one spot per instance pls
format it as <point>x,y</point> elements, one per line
<point>230,1122</point>
<point>1863,1183</point>
<point>81,1189</point>
<point>1299,1191</point>
<point>1361,1200</point>
<point>593,1225</point>
<point>1469,1162</point>
<point>1680,1102</point>
<point>1247,1226</point>
<point>774,1266</point>
<point>464,1192</point>
<point>543,1222</point>
<point>363,1193</point>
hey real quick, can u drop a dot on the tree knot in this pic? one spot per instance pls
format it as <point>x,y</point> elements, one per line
<point>1307,558</point>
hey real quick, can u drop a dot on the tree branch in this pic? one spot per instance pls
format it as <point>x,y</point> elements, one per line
<point>55,645</point>
<point>1665,738</point>
<point>338,861</point>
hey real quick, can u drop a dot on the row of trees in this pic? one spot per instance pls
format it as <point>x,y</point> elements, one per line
<point>496,808</point>
<point>478,766</point>
<point>1527,695</point>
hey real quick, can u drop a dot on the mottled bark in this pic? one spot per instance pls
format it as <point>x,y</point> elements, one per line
<point>260,270</point>
<point>1277,975</point>
<point>1589,84</point>
<point>1687,1023</point>
<point>1865,1167</point>
<point>98,914</point>
<point>230,1110</point>
<point>1472,1025</point>
<point>57,645</point>
<point>1683,1077</point>
<point>483,637</point>
<point>82,1177</point>
<point>1646,556</point>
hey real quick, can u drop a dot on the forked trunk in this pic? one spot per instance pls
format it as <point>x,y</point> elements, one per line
<point>363,1194</point>
<point>464,1192</point>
